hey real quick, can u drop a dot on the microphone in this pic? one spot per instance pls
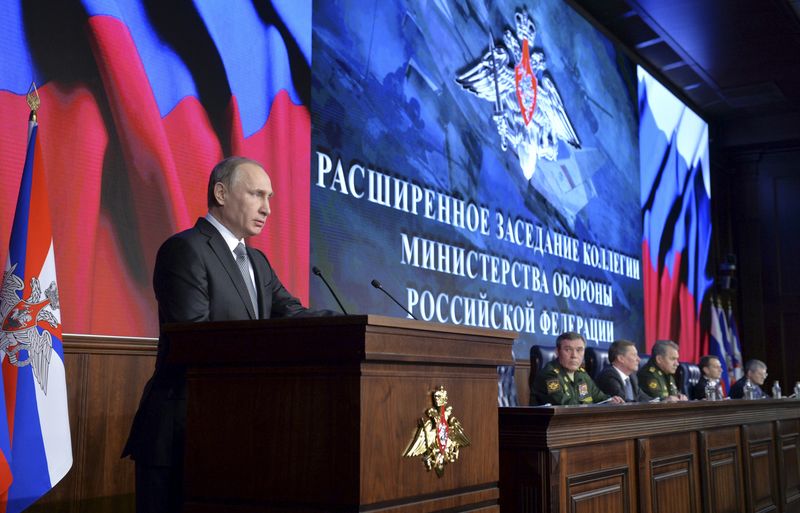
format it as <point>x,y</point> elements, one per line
<point>316,271</point>
<point>377,285</point>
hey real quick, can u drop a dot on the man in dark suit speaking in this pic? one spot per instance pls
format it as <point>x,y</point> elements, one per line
<point>619,378</point>
<point>205,273</point>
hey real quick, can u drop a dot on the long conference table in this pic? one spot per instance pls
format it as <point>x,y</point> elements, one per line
<point>721,456</point>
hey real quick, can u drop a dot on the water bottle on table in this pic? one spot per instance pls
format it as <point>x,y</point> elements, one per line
<point>711,391</point>
<point>776,390</point>
<point>749,389</point>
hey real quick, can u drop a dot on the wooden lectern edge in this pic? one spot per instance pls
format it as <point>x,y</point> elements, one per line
<point>339,339</point>
<point>76,343</point>
<point>344,320</point>
<point>565,426</point>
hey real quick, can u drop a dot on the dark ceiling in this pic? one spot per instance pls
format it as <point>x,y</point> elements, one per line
<point>736,61</point>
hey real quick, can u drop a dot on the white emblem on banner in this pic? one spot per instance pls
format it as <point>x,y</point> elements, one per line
<point>20,339</point>
<point>529,113</point>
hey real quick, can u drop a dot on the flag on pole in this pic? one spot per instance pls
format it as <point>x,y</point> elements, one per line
<point>717,344</point>
<point>726,341</point>
<point>737,372</point>
<point>34,422</point>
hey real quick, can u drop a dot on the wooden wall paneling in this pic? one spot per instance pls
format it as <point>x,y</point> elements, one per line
<point>469,374</point>
<point>105,378</point>
<point>115,383</point>
<point>472,479</point>
<point>598,478</point>
<point>305,418</point>
<point>642,459</point>
<point>789,464</point>
<point>599,491</point>
<point>633,462</point>
<point>761,481</point>
<point>530,474</point>
<point>722,475</point>
<point>527,474</point>
<point>555,479</point>
<point>63,497</point>
<point>672,442</point>
<point>669,474</point>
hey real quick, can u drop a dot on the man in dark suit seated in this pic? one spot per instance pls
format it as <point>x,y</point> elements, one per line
<point>755,371</point>
<point>205,273</point>
<point>619,378</point>
<point>711,368</point>
<point>657,377</point>
<point>563,381</point>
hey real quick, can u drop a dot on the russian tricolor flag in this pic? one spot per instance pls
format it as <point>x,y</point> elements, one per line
<point>36,451</point>
<point>718,345</point>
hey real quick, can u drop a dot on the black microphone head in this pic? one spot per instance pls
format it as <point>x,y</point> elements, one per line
<point>316,270</point>
<point>376,284</point>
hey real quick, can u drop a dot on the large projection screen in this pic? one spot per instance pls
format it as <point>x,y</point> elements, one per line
<point>498,164</point>
<point>480,161</point>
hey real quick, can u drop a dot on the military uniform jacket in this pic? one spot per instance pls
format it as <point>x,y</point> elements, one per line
<point>552,385</point>
<point>655,382</point>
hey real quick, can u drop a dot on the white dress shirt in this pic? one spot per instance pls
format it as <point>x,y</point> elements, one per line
<point>232,242</point>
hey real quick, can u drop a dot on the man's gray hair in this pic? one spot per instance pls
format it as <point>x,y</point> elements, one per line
<point>661,346</point>
<point>754,365</point>
<point>223,173</point>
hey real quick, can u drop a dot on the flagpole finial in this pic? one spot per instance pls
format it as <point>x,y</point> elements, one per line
<point>34,102</point>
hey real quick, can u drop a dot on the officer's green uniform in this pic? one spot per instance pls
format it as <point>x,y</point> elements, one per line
<point>552,385</point>
<point>655,382</point>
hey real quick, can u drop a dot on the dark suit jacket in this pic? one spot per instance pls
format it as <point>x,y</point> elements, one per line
<point>699,390</point>
<point>737,390</point>
<point>196,279</point>
<point>611,383</point>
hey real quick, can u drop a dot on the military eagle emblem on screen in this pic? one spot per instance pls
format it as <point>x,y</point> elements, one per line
<point>528,111</point>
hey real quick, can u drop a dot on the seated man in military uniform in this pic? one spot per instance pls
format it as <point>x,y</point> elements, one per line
<point>657,377</point>
<point>563,381</point>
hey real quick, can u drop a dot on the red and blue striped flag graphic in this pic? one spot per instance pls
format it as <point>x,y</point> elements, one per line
<point>142,99</point>
<point>34,436</point>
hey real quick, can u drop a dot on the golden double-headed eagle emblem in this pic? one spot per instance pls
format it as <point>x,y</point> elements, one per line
<point>439,435</point>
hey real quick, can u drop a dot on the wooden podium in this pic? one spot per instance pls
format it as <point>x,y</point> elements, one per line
<point>314,414</point>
